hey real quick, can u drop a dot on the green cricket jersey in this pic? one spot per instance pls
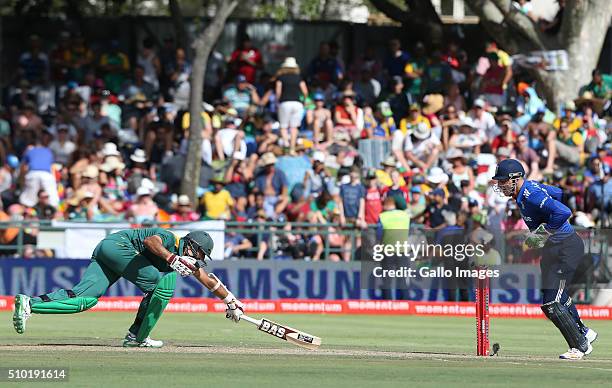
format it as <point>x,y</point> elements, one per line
<point>136,238</point>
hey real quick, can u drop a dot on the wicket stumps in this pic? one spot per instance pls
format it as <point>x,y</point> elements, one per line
<point>482,315</point>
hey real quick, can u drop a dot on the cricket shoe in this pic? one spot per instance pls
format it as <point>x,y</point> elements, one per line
<point>575,354</point>
<point>130,342</point>
<point>591,335</point>
<point>22,312</point>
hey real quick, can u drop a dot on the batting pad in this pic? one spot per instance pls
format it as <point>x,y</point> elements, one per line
<point>159,300</point>
<point>66,306</point>
<point>563,319</point>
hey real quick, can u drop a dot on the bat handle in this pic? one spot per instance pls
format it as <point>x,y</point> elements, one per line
<point>254,321</point>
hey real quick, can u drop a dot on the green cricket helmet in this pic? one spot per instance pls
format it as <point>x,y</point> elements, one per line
<point>199,241</point>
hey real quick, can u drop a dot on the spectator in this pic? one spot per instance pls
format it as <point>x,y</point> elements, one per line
<point>44,210</point>
<point>468,138</point>
<point>34,64</point>
<point>272,183</point>
<point>115,65</point>
<point>454,99</point>
<point>81,207</point>
<point>236,244</point>
<point>324,67</point>
<point>62,147</point>
<point>398,100</point>
<point>529,157</point>
<point>320,121</point>
<point>367,87</point>
<point>437,75</point>
<point>178,72</point>
<point>114,186</point>
<point>368,61</point>
<point>217,204</point>
<point>459,171</point>
<point>143,210</point>
<point>506,138</point>
<point>334,52</point>
<point>436,179</point>
<point>397,191</point>
<point>246,60</point>
<point>483,120</point>
<point>94,122</point>
<point>60,58</point>
<point>373,199</point>
<point>229,141</point>
<point>422,147</point>
<point>352,201</point>
<point>81,59</point>
<point>348,116</point>
<point>414,71</point>
<point>290,89</point>
<point>241,95</point>
<point>416,207</point>
<point>384,175</point>
<point>36,168</point>
<point>139,92</point>
<point>8,171</point>
<point>569,146</point>
<point>434,212</point>
<point>599,88</point>
<point>503,60</point>
<point>492,86</point>
<point>380,124</point>
<point>149,62</point>
<point>138,172</point>
<point>396,60</point>
<point>184,212</point>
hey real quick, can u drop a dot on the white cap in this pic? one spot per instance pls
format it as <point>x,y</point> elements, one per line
<point>142,191</point>
<point>110,149</point>
<point>319,156</point>
<point>184,200</point>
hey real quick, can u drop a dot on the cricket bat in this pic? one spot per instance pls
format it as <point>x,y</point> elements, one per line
<point>286,333</point>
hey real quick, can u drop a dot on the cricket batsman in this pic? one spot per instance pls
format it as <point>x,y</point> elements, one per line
<point>562,250</point>
<point>150,258</point>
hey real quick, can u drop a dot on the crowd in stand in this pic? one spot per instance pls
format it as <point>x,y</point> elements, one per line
<point>93,135</point>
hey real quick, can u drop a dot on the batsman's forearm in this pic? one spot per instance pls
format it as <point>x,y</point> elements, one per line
<point>212,283</point>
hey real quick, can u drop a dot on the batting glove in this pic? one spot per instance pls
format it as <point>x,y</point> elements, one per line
<point>234,310</point>
<point>184,265</point>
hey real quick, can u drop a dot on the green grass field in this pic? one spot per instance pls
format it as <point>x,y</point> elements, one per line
<point>357,351</point>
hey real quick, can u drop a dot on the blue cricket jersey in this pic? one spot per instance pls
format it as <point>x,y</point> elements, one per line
<point>541,204</point>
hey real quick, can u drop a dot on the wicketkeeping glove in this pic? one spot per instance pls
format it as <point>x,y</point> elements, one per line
<point>184,265</point>
<point>234,310</point>
<point>537,238</point>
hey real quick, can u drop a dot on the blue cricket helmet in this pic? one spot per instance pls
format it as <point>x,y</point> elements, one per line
<point>508,169</point>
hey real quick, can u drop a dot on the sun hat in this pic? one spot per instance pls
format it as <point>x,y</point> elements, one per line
<point>289,63</point>
<point>139,156</point>
<point>436,175</point>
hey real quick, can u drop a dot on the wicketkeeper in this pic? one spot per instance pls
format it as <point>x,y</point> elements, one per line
<point>562,250</point>
<point>149,258</point>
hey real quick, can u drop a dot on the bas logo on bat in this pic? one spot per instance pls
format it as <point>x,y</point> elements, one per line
<point>273,329</point>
